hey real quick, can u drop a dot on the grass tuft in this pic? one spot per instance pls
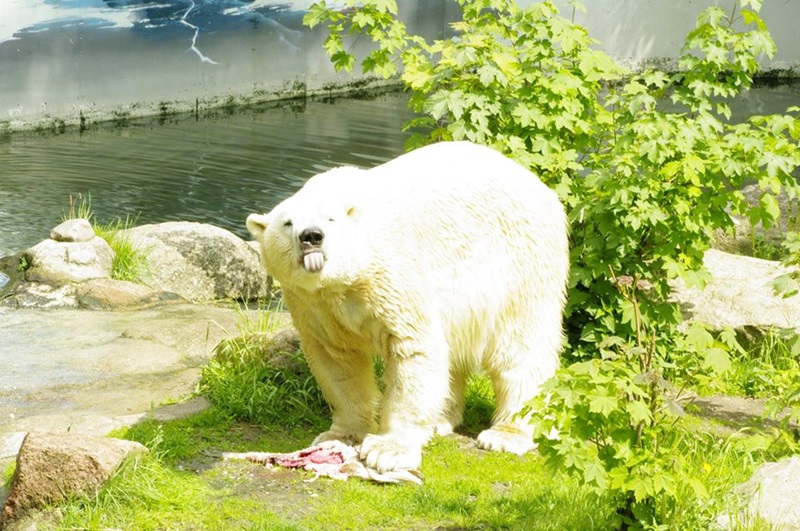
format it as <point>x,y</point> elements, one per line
<point>80,207</point>
<point>254,378</point>
<point>130,261</point>
<point>769,367</point>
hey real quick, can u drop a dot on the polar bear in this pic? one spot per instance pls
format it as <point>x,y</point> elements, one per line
<point>447,260</point>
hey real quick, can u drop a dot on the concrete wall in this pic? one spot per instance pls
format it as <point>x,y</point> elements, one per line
<point>637,30</point>
<point>62,61</point>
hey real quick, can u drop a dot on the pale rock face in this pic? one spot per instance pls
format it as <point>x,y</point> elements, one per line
<point>445,261</point>
<point>199,261</point>
<point>73,230</point>
<point>62,262</point>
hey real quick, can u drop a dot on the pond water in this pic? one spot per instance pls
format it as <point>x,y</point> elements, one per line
<point>215,169</point>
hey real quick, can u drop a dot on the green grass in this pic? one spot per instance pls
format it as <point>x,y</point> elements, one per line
<point>768,367</point>
<point>130,261</point>
<point>80,207</point>
<point>263,405</point>
<point>182,484</point>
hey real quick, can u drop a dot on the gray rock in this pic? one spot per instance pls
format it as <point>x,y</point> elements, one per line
<point>108,294</point>
<point>63,262</point>
<point>94,371</point>
<point>739,295</point>
<point>73,230</point>
<point>740,240</point>
<point>40,295</point>
<point>200,262</point>
<point>771,495</point>
<point>54,466</point>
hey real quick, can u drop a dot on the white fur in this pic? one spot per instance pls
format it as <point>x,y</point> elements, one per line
<point>444,261</point>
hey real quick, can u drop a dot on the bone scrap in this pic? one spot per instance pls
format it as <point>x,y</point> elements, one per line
<point>333,459</point>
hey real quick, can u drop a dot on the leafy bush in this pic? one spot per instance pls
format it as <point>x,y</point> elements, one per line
<point>649,167</point>
<point>646,163</point>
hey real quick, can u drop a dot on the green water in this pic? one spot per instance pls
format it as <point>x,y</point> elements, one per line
<point>213,169</point>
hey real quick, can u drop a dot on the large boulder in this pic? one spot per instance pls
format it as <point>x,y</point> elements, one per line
<point>745,235</point>
<point>739,295</point>
<point>770,496</point>
<point>52,467</point>
<point>199,261</point>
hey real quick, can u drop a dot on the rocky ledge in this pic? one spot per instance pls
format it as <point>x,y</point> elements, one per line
<point>181,262</point>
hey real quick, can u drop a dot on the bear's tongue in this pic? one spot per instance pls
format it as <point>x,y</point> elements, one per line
<point>313,261</point>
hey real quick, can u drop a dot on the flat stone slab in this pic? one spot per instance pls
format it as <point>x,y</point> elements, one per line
<point>92,371</point>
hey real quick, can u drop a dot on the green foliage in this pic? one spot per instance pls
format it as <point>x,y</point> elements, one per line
<point>789,284</point>
<point>646,182</point>
<point>24,264</point>
<point>768,368</point>
<point>649,167</point>
<point>611,421</point>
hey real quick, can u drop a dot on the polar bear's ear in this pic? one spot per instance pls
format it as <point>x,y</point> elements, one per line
<point>257,224</point>
<point>353,212</point>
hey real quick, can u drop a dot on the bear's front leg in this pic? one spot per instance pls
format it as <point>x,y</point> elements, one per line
<point>417,384</point>
<point>347,381</point>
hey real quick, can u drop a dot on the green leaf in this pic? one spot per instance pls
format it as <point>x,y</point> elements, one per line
<point>316,14</point>
<point>343,61</point>
<point>699,337</point>
<point>603,404</point>
<point>593,472</point>
<point>717,360</point>
<point>639,412</point>
<point>785,285</point>
<point>770,206</point>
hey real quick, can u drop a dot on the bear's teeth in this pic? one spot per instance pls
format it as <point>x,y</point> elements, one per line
<point>313,261</point>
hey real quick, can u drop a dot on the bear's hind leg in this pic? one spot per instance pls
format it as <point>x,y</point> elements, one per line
<point>516,380</point>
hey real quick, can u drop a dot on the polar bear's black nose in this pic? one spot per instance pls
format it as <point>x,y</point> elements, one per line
<point>312,236</point>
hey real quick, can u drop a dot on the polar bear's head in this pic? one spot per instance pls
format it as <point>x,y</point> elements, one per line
<point>311,239</point>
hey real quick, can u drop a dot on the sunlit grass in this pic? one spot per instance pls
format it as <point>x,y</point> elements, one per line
<point>130,261</point>
<point>769,367</point>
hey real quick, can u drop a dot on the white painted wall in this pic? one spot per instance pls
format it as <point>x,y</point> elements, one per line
<point>636,30</point>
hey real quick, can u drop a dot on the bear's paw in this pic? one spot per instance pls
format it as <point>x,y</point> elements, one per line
<point>386,453</point>
<point>506,438</point>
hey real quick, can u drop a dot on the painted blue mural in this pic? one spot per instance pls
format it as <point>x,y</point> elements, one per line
<point>187,19</point>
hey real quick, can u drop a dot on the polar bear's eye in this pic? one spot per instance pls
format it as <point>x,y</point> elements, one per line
<point>288,223</point>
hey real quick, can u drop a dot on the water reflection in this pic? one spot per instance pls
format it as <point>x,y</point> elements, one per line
<point>215,170</point>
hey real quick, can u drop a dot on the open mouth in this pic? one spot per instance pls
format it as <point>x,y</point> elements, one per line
<point>313,259</point>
